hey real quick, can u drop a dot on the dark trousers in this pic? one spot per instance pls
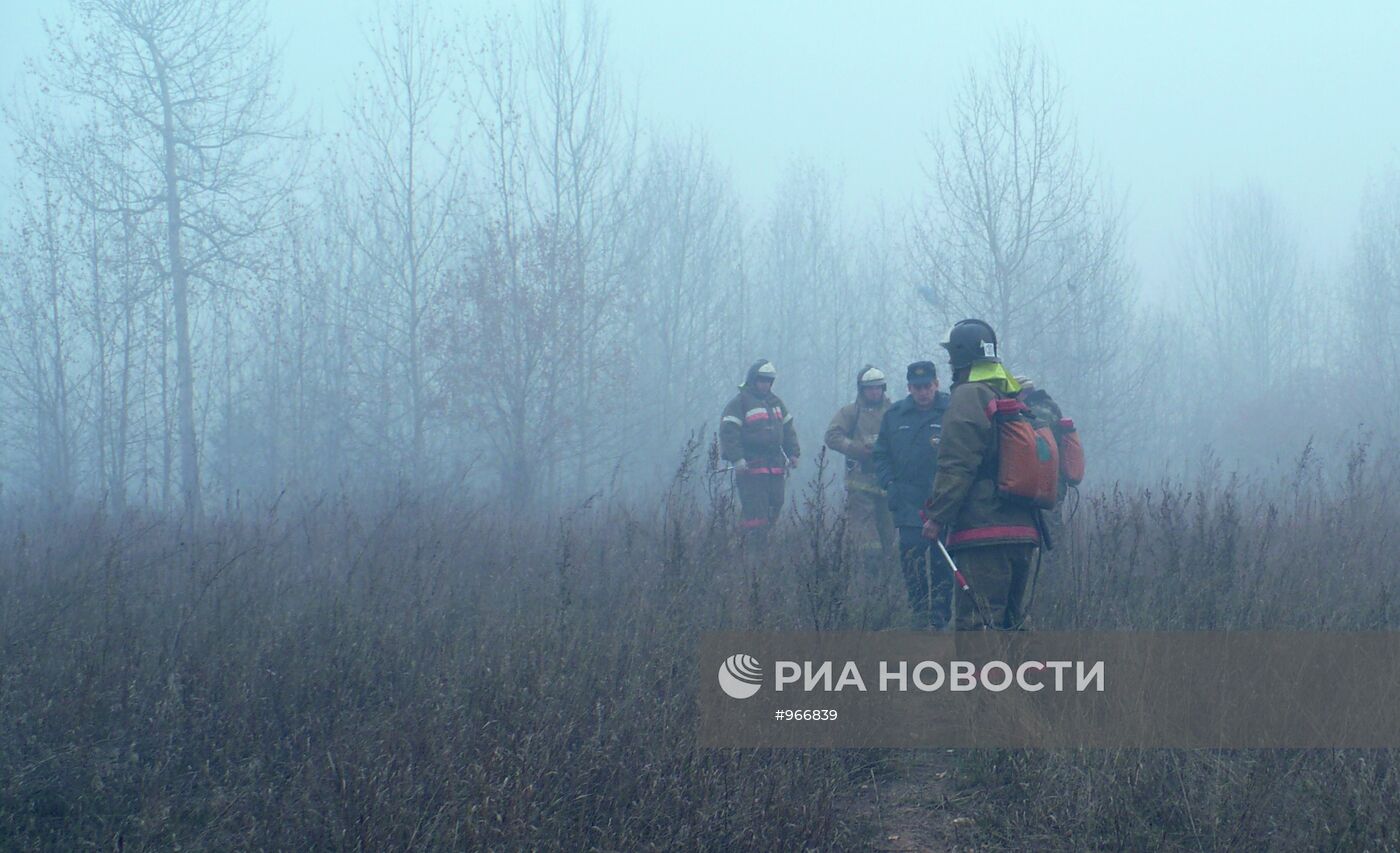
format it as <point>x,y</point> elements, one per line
<point>760,501</point>
<point>997,575</point>
<point>925,572</point>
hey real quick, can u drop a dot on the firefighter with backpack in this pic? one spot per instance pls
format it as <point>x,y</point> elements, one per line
<point>998,467</point>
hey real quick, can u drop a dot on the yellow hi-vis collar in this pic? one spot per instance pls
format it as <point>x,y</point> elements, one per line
<point>995,373</point>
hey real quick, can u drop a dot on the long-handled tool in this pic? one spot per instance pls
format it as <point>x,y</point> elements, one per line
<point>928,584</point>
<point>730,480</point>
<point>965,587</point>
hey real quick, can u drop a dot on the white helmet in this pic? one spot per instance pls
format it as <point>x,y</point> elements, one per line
<point>871,377</point>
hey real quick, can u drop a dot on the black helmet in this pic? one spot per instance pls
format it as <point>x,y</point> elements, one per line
<point>969,341</point>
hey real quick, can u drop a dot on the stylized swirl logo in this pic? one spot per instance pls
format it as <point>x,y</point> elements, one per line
<point>740,676</point>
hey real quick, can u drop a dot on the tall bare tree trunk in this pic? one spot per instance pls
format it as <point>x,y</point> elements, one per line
<point>179,294</point>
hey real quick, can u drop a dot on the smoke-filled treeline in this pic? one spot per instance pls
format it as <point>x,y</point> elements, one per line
<point>495,270</point>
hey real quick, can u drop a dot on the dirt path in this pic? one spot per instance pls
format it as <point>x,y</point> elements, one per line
<point>915,808</point>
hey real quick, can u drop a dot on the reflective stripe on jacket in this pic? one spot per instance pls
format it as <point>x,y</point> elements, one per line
<point>758,429</point>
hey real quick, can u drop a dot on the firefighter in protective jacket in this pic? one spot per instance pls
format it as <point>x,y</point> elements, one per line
<point>852,433</point>
<point>992,538</point>
<point>757,436</point>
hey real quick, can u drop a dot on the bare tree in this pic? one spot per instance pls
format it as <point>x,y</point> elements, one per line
<point>881,326</point>
<point>187,85</point>
<point>1374,291</point>
<point>682,291</point>
<point>406,174</point>
<point>583,149</point>
<point>1018,231</point>
<point>501,335</point>
<point>1240,262</point>
<point>538,325</point>
<point>38,331</point>
<point>300,422</point>
<point>119,282</point>
<point>803,296</point>
<point>1012,189</point>
<point>89,198</point>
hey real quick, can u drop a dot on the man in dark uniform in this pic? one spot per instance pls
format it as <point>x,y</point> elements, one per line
<point>906,456</point>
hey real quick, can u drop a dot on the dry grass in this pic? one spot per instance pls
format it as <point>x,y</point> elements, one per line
<point>418,672</point>
<point>389,674</point>
<point>1304,551</point>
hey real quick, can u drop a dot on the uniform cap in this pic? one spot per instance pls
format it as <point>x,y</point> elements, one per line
<point>921,373</point>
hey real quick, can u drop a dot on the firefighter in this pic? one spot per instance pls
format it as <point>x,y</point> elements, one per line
<point>992,539</point>
<point>852,433</point>
<point>905,456</point>
<point>756,435</point>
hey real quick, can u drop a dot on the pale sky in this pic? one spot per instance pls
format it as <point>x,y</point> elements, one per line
<point>1171,98</point>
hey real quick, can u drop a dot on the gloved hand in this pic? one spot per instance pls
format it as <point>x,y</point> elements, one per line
<point>741,467</point>
<point>793,460</point>
<point>931,530</point>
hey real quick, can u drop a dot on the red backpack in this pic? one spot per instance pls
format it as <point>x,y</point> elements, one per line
<point>1046,412</point>
<point>1071,451</point>
<point>1028,455</point>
